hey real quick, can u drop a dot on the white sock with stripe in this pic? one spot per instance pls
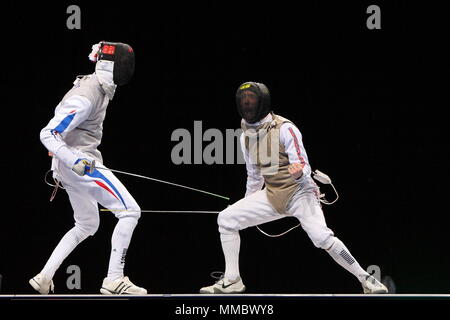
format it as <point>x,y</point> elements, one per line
<point>120,241</point>
<point>339,252</point>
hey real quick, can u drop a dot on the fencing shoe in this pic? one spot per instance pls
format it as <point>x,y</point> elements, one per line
<point>225,286</point>
<point>372,285</point>
<point>121,286</point>
<point>41,284</point>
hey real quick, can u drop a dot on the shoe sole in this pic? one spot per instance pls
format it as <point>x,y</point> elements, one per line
<point>107,292</point>
<point>36,286</point>
<point>217,291</point>
<point>376,292</point>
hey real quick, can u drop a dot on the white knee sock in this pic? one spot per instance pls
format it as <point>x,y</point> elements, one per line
<point>65,246</point>
<point>343,257</point>
<point>230,245</point>
<point>120,241</point>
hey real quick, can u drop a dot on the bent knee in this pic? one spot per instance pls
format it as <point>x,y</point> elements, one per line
<point>135,211</point>
<point>227,222</point>
<point>323,240</point>
<point>132,211</point>
<point>88,227</point>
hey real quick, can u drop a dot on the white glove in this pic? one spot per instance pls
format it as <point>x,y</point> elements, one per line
<point>82,166</point>
<point>93,56</point>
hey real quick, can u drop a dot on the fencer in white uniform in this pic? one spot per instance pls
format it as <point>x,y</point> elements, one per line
<point>289,190</point>
<point>72,137</point>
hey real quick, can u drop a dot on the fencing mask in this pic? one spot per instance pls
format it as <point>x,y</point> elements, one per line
<point>253,101</point>
<point>115,57</point>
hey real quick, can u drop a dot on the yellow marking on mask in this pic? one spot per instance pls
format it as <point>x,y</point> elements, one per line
<point>245,86</point>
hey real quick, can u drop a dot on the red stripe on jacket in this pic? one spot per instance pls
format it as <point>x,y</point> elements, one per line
<point>297,147</point>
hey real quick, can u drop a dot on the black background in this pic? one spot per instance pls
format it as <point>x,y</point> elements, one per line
<point>368,102</point>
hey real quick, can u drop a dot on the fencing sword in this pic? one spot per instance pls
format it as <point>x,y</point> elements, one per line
<point>162,211</point>
<point>93,167</point>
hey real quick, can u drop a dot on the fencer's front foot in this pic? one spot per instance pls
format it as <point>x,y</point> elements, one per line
<point>121,286</point>
<point>225,286</point>
<point>42,284</point>
<point>372,285</point>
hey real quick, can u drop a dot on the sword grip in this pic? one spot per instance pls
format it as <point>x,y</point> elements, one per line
<point>92,167</point>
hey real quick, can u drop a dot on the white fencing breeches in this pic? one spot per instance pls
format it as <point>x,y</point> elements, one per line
<point>85,192</point>
<point>256,209</point>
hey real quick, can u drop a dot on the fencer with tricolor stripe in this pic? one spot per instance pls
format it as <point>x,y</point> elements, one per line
<point>101,186</point>
<point>74,133</point>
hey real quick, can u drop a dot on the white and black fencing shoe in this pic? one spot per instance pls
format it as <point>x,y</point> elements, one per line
<point>121,286</point>
<point>225,286</point>
<point>372,285</point>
